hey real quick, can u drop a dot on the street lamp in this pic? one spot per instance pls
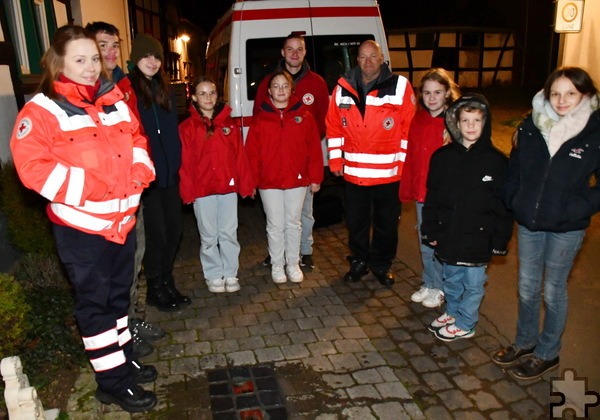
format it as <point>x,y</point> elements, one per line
<point>185,38</point>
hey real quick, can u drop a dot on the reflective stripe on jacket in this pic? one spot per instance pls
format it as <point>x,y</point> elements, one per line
<point>88,159</point>
<point>370,146</point>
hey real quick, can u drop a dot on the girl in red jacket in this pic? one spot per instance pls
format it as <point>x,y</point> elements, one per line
<point>214,169</point>
<point>427,134</point>
<point>284,150</point>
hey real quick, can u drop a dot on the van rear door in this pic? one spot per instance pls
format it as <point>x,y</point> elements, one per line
<point>333,30</point>
<point>259,32</point>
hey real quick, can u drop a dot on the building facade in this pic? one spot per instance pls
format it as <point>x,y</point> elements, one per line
<point>27,28</point>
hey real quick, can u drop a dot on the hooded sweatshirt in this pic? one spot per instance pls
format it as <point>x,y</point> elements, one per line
<point>463,210</point>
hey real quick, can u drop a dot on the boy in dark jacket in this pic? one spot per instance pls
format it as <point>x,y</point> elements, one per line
<point>464,218</point>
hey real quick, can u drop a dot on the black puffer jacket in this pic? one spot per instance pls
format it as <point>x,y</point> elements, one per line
<point>463,211</point>
<point>554,193</point>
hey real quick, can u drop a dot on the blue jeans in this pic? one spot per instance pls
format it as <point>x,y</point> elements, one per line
<point>463,289</point>
<point>432,268</point>
<point>547,255</point>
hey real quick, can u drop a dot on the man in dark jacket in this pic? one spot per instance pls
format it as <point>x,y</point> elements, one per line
<point>464,218</point>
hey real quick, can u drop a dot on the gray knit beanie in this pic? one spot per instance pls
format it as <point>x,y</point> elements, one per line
<point>144,45</point>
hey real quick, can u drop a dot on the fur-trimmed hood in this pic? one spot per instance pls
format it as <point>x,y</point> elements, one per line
<point>472,100</point>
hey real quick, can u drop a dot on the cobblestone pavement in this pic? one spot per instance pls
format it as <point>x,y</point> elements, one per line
<point>340,351</point>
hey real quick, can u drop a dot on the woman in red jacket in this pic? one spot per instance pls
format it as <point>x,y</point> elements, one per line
<point>78,145</point>
<point>284,150</point>
<point>427,134</point>
<point>214,169</point>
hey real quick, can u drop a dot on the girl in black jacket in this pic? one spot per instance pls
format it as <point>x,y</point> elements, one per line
<point>549,189</point>
<point>161,202</point>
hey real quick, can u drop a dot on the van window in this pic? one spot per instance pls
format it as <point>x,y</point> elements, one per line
<point>329,55</point>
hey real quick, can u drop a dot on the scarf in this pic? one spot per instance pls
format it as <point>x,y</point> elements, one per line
<point>558,130</point>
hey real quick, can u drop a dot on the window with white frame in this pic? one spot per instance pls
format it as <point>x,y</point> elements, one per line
<point>17,29</point>
<point>31,25</point>
<point>42,25</point>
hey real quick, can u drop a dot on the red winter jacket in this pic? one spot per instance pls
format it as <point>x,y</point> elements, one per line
<point>86,158</point>
<point>284,147</point>
<point>367,136</point>
<point>309,87</point>
<point>215,164</point>
<point>424,137</point>
<point>130,99</point>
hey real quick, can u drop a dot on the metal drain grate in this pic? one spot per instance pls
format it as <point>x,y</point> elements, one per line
<point>245,393</point>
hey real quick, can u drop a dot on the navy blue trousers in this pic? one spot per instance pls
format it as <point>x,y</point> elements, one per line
<point>372,214</point>
<point>163,229</point>
<point>101,274</point>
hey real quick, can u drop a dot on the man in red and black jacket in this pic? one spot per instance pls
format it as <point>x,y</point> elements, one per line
<point>367,129</point>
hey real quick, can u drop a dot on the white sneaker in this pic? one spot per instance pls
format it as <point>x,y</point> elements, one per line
<point>452,332</point>
<point>420,295</point>
<point>278,274</point>
<point>441,321</point>
<point>294,273</point>
<point>434,299</point>
<point>216,285</point>
<point>231,284</point>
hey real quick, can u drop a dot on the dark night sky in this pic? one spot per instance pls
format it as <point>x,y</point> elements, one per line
<point>531,28</point>
<point>204,13</point>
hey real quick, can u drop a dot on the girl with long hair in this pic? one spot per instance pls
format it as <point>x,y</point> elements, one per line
<point>213,172</point>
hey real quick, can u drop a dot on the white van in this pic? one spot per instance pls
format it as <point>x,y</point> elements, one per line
<point>246,43</point>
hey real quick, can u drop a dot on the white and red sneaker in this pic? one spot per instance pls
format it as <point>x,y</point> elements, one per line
<point>441,321</point>
<point>452,332</point>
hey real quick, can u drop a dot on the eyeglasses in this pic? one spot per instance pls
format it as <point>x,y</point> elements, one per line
<point>281,87</point>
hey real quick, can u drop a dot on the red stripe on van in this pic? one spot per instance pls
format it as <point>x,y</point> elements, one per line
<point>220,28</point>
<point>305,12</point>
